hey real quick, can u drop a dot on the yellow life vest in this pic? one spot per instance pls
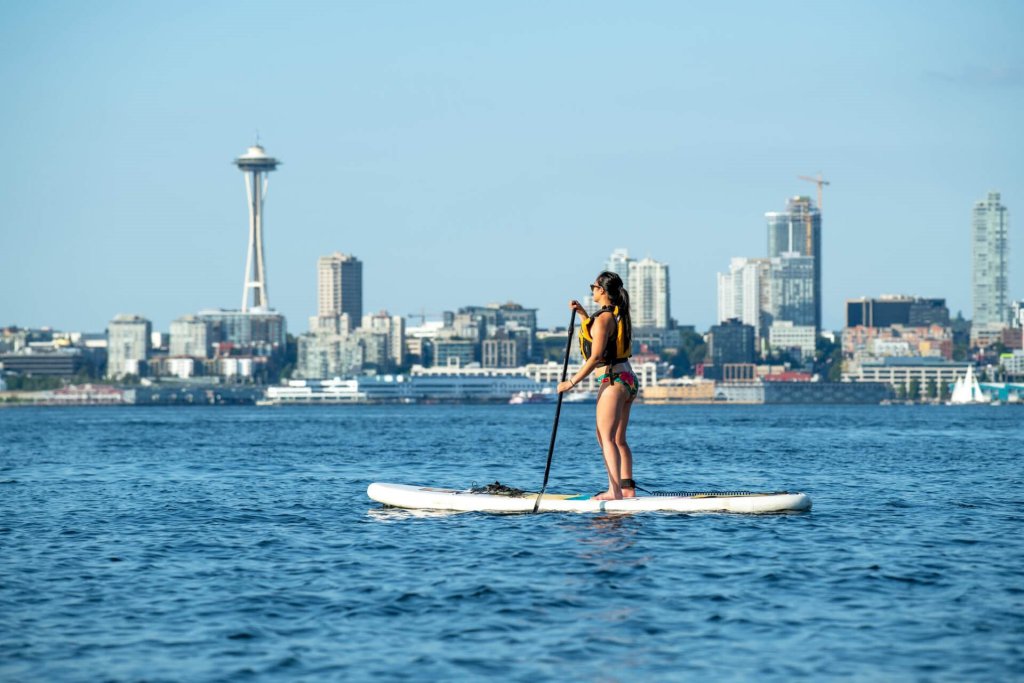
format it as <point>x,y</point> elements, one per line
<point>618,352</point>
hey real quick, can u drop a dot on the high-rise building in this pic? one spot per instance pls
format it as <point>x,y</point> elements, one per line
<point>393,328</point>
<point>798,230</point>
<point>340,287</point>
<point>256,165</point>
<point>647,282</point>
<point>648,287</point>
<point>128,345</point>
<point>190,336</point>
<point>619,262</point>
<point>744,293</point>
<point>990,224</point>
<point>791,296</point>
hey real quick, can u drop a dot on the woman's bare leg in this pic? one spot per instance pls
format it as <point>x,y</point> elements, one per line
<point>625,454</point>
<point>609,409</point>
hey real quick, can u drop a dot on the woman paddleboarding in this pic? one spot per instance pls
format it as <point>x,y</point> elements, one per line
<point>605,341</point>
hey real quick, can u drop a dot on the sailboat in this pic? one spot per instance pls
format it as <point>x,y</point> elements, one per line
<point>967,390</point>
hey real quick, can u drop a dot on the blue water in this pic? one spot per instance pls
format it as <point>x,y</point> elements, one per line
<point>237,544</point>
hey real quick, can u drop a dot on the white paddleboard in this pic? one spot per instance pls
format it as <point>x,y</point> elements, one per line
<point>433,498</point>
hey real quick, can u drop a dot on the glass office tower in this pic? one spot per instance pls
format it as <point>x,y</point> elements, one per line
<point>990,223</point>
<point>797,230</point>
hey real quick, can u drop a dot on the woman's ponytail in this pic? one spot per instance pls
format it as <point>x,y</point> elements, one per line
<point>612,283</point>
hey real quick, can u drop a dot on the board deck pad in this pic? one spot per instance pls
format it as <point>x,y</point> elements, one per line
<point>470,500</point>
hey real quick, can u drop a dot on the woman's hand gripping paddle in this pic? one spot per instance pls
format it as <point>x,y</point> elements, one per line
<point>558,410</point>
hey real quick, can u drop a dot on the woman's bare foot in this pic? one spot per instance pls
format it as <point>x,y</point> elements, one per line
<point>607,495</point>
<point>628,493</point>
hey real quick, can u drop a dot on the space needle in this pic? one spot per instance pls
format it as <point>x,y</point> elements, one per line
<point>255,164</point>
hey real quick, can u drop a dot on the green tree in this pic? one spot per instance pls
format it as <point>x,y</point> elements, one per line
<point>943,391</point>
<point>835,372</point>
<point>914,392</point>
<point>828,359</point>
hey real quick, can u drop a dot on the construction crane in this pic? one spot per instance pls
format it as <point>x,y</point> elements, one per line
<point>819,181</point>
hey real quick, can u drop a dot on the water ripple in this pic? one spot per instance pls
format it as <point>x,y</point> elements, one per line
<point>205,544</point>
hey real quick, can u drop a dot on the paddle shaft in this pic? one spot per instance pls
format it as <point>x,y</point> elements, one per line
<point>558,411</point>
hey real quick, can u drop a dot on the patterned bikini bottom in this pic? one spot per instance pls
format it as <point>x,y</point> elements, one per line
<point>626,378</point>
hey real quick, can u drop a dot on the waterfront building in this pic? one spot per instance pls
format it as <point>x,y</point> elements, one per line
<point>684,390</point>
<point>909,373</point>
<point>990,223</point>
<point>256,166</point>
<point>546,373</point>
<point>340,287</point>
<point>441,387</point>
<point>744,293</point>
<point>128,345</point>
<point>797,230</point>
<point>78,394</point>
<point>190,336</point>
<point>799,340</point>
<point>50,362</point>
<point>817,393</point>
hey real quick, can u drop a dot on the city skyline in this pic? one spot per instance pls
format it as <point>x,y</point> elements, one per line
<point>461,162</point>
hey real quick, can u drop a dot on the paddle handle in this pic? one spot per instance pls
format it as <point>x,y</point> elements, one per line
<point>558,410</point>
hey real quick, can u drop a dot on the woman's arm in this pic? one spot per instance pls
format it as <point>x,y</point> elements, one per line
<point>599,332</point>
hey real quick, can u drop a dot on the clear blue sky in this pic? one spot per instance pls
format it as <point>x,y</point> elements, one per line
<point>475,152</point>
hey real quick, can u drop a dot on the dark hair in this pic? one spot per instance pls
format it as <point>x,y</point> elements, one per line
<point>612,284</point>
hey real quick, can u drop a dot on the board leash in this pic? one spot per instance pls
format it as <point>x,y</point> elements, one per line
<point>708,494</point>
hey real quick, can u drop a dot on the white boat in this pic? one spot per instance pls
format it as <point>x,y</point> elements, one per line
<point>966,390</point>
<point>523,397</point>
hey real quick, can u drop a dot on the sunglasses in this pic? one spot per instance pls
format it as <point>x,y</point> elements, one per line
<point>593,287</point>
